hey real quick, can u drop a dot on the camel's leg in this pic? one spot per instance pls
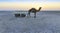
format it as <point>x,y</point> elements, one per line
<point>35,15</point>
<point>28,13</point>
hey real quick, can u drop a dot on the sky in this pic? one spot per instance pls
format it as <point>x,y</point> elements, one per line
<point>28,4</point>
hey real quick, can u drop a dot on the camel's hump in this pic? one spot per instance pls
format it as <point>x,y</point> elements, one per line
<point>32,9</point>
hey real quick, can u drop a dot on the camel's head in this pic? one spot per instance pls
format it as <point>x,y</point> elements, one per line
<point>40,8</point>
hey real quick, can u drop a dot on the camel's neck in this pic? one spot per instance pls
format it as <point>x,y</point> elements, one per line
<point>39,9</point>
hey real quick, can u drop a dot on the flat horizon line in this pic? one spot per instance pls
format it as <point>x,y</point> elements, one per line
<point>27,10</point>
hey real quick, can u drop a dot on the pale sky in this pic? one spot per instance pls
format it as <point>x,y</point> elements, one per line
<point>27,4</point>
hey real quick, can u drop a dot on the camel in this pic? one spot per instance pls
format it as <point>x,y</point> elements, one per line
<point>33,10</point>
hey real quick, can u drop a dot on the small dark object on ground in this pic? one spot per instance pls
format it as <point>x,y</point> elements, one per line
<point>17,15</point>
<point>20,15</point>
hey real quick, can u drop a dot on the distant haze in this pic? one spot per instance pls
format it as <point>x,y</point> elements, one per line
<point>27,4</point>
